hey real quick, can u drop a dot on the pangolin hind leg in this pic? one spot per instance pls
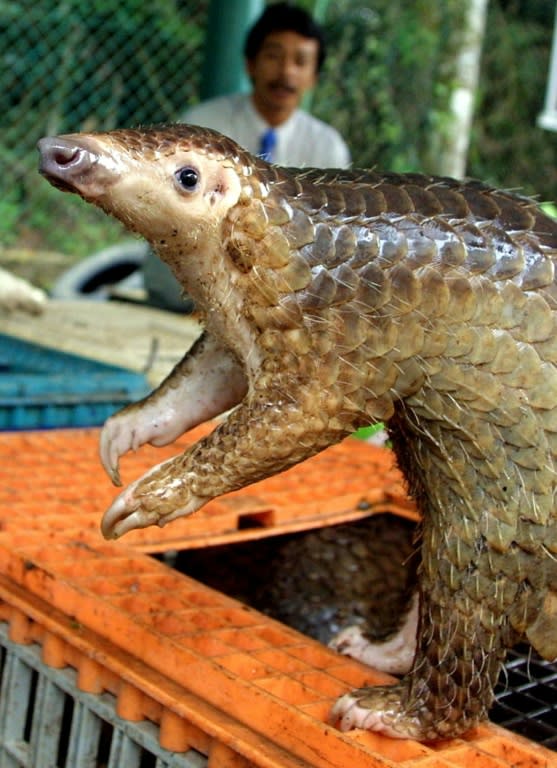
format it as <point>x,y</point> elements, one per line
<point>486,562</point>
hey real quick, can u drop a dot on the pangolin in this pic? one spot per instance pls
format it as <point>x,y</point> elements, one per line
<point>334,299</point>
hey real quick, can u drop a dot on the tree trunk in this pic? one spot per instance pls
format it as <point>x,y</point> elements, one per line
<point>451,137</point>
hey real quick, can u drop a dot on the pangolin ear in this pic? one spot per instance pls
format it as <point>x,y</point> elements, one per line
<point>222,187</point>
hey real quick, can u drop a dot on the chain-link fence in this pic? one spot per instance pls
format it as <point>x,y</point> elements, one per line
<point>70,65</point>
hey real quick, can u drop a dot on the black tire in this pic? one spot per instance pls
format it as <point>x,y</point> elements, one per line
<point>93,277</point>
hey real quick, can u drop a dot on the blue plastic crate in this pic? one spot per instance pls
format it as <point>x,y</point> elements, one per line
<point>42,388</point>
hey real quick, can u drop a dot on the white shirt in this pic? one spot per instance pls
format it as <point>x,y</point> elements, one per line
<point>302,141</point>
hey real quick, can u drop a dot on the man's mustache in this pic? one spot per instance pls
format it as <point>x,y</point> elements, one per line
<point>284,85</point>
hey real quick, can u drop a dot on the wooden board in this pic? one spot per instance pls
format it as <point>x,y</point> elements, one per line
<point>130,335</point>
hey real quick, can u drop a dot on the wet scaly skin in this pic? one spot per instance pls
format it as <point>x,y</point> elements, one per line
<point>333,299</point>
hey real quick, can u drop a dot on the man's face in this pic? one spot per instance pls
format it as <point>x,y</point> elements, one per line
<point>283,70</point>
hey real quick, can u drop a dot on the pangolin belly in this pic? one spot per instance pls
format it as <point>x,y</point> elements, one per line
<point>333,299</point>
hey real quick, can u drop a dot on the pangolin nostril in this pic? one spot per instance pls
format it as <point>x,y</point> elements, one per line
<point>65,155</point>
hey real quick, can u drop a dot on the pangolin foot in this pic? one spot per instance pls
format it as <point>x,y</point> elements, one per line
<point>148,502</point>
<point>394,654</point>
<point>377,709</point>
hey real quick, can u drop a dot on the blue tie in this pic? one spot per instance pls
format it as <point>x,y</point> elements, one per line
<point>268,143</point>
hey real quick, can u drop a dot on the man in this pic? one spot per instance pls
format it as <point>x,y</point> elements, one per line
<point>284,52</point>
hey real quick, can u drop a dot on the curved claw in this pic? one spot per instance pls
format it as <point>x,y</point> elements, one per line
<point>140,507</point>
<point>393,654</point>
<point>120,519</point>
<point>109,456</point>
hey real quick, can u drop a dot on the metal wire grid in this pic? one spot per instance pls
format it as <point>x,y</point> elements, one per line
<point>527,697</point>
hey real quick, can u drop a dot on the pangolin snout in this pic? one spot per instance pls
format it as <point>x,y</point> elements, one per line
<point>73,166</point>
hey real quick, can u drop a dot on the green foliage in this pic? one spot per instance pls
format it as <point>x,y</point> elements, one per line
<point>388,80</point>
<point>9,215</point>
<point>355,92</point>
<point>381,85</point>
<point>508,148</point>
<point>66,223</point>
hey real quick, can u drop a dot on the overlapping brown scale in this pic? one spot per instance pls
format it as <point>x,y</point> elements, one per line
<point>273,250</point>
<point>422,250</point>
<point>347,282</point>
<point>451,201</point>
<point>489,304</point>
<point>374,200</point>
<point>322,250</point>
<point>406,291</point>
<point>462,298</point>
<point>539,273</point>
<point>506,352</point>
<point>547,348</point>
<point>300,230</point>
<point>355,203</point>
<point>435,293</point>
<point>352,331</point>
<point>515,214</point>
<point>255,220</point>
<point>286,314</point>
<point>509,255</point>
<point>263,287</point>
<point>320,293</point>
<point>545,229</point>
<point>423,200</point>
<point>278,209</point>
<point>366,250</point>
<point>374,290</point>
<point>294,276</point>
<point>399,199</point>
<point>345,246</point>
<point>482,204</point>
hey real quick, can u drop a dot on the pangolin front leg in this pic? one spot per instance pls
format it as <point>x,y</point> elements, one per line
<point>206,382</point>
<point>258,435</point>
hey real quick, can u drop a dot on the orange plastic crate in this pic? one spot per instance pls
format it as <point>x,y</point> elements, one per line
<point>53,480</point>
<point>213,674</point>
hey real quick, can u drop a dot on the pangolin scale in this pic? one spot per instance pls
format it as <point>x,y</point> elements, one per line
<point>333,299</point>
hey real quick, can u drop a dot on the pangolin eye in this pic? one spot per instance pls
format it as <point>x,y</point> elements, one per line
<point>188,178</point>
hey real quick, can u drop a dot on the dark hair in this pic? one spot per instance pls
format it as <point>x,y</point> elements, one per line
<point>281,17</point>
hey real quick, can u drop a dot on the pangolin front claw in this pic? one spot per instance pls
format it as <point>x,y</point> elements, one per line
<point>149,501</point>
<point>110,451</point>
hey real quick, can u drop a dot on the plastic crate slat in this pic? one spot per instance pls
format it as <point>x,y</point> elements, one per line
<point>14,698</point>
<point>47,723</point>
<point>42,387</point>
<point>124,751</point>
<point>275,720</point>
<point>102,611</point>
<point>88,713</point>
<point>84,737</point>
